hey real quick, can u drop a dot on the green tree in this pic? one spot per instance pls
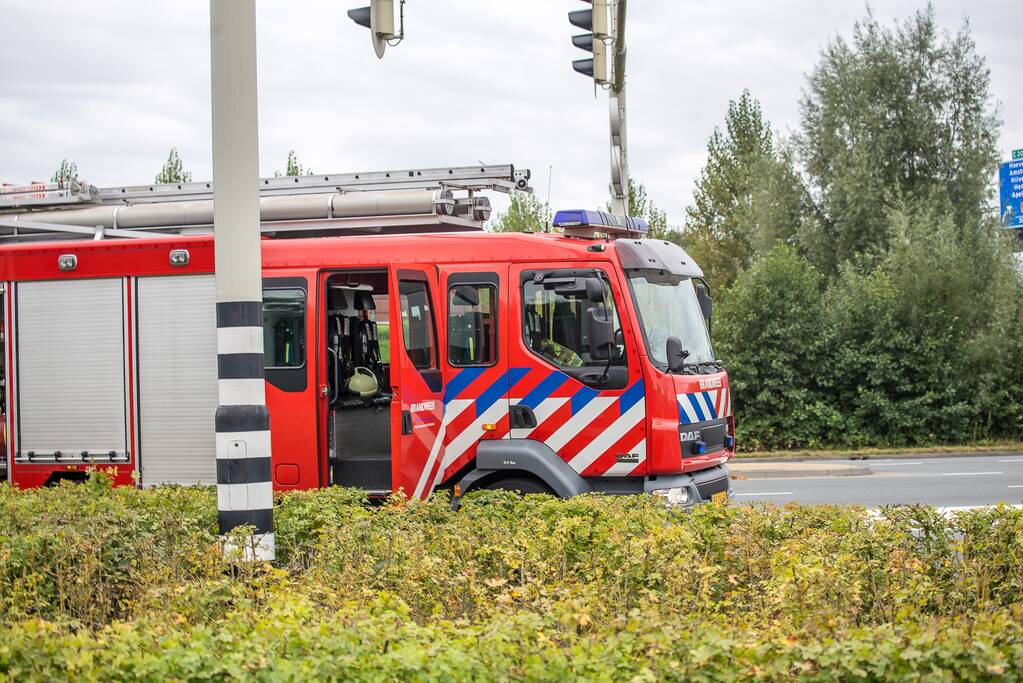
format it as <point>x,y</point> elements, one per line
<point>526,213</point>
<point>897,114</point>
<point>926,343</point>
<point>172,170</point>
<point>772,337</point>
<point>293,167</point>
<point>748,196</point>
<point>66,172</point>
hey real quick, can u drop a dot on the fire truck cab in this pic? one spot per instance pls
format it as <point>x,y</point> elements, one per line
<point>564,362</point>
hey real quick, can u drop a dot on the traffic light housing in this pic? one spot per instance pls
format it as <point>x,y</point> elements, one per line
<point>595,20</point>
<point>379,19</point>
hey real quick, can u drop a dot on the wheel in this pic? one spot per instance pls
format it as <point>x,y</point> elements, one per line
<point>520,485</point>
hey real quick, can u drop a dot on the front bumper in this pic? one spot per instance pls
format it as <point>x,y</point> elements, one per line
<point>701,485</point>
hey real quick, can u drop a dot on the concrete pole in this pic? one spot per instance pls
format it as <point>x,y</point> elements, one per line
<point>244,491</point>
<point>619,145</point>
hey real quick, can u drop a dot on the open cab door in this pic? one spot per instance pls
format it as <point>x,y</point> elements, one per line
<point>417,410</point>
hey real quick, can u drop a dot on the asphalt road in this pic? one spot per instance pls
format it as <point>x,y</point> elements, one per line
<point>941,482</point>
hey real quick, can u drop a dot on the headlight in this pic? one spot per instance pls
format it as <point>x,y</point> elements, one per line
<point>675,496</point>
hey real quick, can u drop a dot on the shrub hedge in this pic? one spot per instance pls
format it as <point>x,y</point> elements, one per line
<point>98,583</point>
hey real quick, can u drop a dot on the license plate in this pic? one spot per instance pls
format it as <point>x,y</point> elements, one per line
<point>720,497</point>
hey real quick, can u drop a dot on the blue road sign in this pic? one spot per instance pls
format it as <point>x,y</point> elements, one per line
<point>1010,181</point>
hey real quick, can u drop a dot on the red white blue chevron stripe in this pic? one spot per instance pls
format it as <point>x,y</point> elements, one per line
<point>586,427</point>
<point>699,406</point>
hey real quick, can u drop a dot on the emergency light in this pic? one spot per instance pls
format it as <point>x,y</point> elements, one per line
<point>578,221</point>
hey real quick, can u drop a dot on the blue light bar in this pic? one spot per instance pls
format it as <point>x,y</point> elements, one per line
<point>599,221</point>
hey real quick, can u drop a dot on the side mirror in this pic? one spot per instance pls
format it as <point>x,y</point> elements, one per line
<point>599,333</point>
<point>703,296</point>
<point>676,354</point>
<point>594,290</point>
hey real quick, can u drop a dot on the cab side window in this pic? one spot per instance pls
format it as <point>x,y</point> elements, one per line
<point>472,325</point>
<point>560,318</point>
<point>417,324</point>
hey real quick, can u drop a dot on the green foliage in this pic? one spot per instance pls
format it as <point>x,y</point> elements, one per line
<point>901,114</point>
<point>526,213</point>
<point>748,197</point>
<point>293,168</point>
<point>172,170</point>
<point>66,172</point>
<point>592,588</point>
<point>773,338</point>
<point>920,347</point>
<point>84,551</point>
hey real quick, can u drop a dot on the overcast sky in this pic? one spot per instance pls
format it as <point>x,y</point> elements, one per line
<point>114,85</point>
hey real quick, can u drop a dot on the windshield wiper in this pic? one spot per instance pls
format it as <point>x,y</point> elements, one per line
<point>697,368</point>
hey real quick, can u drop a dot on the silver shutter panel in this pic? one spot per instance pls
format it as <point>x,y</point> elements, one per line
<point>71,388</point>
<point>177,375</point>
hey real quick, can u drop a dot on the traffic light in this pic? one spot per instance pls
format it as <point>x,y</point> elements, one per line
<point>379,19</point>
<point>596,21</point>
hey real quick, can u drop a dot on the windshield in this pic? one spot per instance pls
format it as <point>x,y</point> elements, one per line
<point>668,307</point>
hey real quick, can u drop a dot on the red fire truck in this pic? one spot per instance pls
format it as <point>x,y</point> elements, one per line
<point>405,347</point>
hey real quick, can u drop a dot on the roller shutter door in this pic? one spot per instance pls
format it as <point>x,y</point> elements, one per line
<point>177,375</point>
<point>71,369</point>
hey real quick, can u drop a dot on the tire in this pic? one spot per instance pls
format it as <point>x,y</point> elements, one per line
<point>520,485</point>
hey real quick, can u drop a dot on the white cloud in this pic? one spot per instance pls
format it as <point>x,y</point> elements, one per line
<point>113,85</point>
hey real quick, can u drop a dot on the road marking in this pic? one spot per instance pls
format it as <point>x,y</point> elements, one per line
<point>1016,486</point>
<point>875,513</point>
<point>767,493</point>
<point>966,474</point>
<point>893,464</point>
<point>1012,460</point>
<point>966,508</point>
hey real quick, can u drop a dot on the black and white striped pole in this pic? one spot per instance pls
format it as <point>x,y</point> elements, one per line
<point>244,491</point>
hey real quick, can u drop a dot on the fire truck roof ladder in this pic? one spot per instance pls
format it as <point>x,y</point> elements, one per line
<point>417,200</point>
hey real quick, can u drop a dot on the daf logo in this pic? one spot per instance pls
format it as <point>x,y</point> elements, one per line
<point>690,436</point>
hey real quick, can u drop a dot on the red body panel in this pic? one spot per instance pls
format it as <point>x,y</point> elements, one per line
<point>631,431</point>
